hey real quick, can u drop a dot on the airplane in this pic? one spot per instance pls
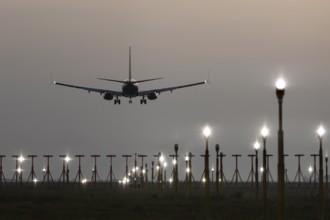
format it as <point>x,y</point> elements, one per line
<point>130,88</point>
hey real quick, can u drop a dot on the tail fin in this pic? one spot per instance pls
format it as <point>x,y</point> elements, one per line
<point>130,66</point>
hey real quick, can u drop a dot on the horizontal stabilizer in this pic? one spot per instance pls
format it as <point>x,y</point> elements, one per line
<point>146,80</point>
<point>112,80</point>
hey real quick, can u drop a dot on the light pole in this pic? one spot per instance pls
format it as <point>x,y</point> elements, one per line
<point>176,174</point>
<point>256,147</point>
<point>222,176</point>
<point>280,91</point>
<point>2,176</point>
<point>217,147</point>
<point>67,159</point>
<point>326,174</point>
<point>207,133</point>
<point>21,159</point>
<point>320,133</point>
<point>186,158</point>
<point>264,134</point>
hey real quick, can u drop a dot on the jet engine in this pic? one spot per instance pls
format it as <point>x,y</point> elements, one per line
<point>152,96</point>
<point>108,96</point>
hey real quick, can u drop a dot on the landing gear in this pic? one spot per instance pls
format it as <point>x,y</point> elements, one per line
<point>143,101</point>
<point>130,101</point>
<point>117,101</point>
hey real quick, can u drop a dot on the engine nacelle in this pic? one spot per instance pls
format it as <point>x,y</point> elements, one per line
<point>108,96</point>
<point>152,96</point>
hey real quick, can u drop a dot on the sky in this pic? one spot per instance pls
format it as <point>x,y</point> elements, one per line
<point>245,45</point>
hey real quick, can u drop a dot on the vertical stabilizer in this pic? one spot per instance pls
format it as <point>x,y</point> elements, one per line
<point>130,66</point>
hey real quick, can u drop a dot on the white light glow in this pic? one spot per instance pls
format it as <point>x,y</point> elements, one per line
<point>165,164</point>
<point>310,169</point>
<point>264,132</point>
<point>35,180</point>
<point>170,180</point>
<point>204,180</point>
<point>19,170</point>
<point>320,131</point>
<point>84,181</point>
<point>280,84</point>
<point>186,158</point>
<point>161,158</point>
<point>67,159</point>
<point>21,159</point>
<point>207,132</point>
<point>256,145</point>
<point>174,162</point>
<point>261,169</point>
<point>188,170</point>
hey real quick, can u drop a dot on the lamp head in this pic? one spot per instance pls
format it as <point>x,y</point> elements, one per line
<point>207,132</point>
<point>217,147</point>
<point>280,84</point>
<point>176,147</point>
<point>174,162</point>
<point>264,132</point>
<point>310,169</point>
<point>320,131</point>
<point>67,159</point>
<point>256,145</point>
<point>21,159</point>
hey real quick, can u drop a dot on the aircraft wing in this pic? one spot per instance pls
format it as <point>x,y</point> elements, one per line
<point>169,89</point>
<point>101,91</point>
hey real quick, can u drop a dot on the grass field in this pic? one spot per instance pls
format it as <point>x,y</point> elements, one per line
<point>104,202</point>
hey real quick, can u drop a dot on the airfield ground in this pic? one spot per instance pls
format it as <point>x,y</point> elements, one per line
<point>103,202</point>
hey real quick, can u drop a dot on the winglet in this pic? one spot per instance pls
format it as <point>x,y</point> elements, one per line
<point>208,78</point>
<point>51,78</point>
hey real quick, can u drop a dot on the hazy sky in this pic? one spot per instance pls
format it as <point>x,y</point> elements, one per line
<point>245,44</point>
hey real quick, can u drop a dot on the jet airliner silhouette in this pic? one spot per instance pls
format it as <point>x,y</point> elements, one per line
<point>130,88</point>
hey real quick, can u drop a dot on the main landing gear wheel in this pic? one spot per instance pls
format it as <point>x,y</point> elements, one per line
<point>130,101</point>
<point>143,101</point>
<point>117,101</point>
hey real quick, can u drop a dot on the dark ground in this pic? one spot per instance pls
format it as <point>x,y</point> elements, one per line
<point>104,202</point>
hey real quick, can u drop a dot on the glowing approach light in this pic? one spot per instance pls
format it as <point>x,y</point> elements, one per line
<point>21,159</point>
<point>256,145</point>
<point>84,181</point>
<point>264,132</point>
<point>310,169</point>
<point>207,132</point>
<point>320,131</point>
<point>67,159</point>
<point>174,161</point>
<point>161,158</point>
<point>280,84</point>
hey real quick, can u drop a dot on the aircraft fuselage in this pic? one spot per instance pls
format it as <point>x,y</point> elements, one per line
<point>130,89</point>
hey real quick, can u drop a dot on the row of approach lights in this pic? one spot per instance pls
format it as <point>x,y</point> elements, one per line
<point>21,159</point>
